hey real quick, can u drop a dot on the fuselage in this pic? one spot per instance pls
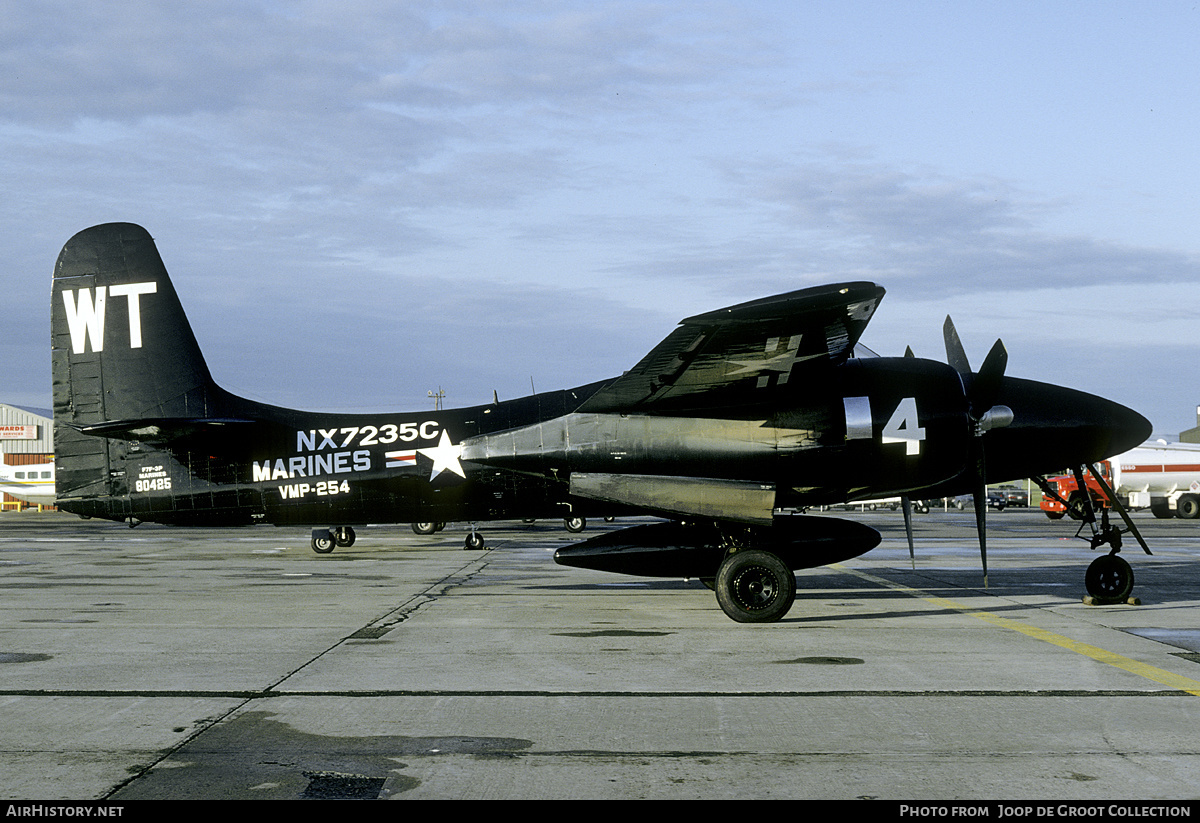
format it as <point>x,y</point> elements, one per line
<point>866,429</point>
<point>255,463</point>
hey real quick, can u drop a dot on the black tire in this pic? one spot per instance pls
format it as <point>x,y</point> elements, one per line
<point>575,524</point>
<point>1055,515</point>
<point>323,542</point>
<point>1188,507</point>
<point>755,587</point>
<point>424,528</point>
<point>1109,578</point>
<point>1076,506</point>
<point>474,542</point>
<point>344,537</point>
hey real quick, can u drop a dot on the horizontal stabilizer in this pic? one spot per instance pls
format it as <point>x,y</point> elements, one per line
<point>162,429</point>
<point>735,500</point>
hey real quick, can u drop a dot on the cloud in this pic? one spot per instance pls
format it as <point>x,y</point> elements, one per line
<point>967,235</point>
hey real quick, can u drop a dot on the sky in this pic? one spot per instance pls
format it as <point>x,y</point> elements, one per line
<point>363,202</point>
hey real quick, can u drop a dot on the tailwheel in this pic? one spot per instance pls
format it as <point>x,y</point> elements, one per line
<point>1109,578</point>
<point>755,586</point>
<point>474,541</point>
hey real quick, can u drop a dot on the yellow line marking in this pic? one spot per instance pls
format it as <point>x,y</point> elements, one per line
<point>1166,678</point>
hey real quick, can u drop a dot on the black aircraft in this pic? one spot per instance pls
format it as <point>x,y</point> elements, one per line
<point>740,418</point>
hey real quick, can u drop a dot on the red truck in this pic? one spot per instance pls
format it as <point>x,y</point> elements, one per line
<point>1068,489</point>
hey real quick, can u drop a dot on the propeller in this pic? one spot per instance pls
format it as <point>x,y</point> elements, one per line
<point>982,390</point>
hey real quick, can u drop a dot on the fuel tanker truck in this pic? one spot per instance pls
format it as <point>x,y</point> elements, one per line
<point>1161,476</point>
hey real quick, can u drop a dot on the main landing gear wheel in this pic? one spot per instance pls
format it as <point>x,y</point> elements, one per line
<point>755,587</point>
<point>1109,578</point>
<point>322,541</point>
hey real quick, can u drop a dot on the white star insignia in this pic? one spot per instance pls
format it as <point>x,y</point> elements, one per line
<point>445,456</point>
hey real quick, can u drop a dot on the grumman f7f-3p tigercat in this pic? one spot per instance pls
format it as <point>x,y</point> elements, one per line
<point>738,417</point>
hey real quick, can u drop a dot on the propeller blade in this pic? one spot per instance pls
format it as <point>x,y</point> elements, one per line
<point>980,497</point>
<point>1116,501</point>
<point>985,388</point>
<point>956,356</point>
<point>906,504</point>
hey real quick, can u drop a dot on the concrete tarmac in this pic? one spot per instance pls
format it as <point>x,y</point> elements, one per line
<point>163,662</point>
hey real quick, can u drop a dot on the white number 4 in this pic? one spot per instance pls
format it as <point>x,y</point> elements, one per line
<point>904,427</point>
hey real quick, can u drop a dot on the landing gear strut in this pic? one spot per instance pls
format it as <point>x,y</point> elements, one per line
<point>475,541</point>
<point>1109,579</point>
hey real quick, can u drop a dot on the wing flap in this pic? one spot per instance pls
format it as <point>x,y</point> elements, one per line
<point>741,501</point>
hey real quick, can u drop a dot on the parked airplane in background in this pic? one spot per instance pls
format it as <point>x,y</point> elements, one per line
<point>33,483</point>
<point>738,415</point>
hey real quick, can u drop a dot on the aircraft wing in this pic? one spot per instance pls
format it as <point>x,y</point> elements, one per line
<point>724,357</point>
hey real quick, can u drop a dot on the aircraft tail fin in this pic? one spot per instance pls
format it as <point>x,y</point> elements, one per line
<point>121,350</point>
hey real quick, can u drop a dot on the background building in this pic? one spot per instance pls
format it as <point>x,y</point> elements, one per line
<point>1192,435</point>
